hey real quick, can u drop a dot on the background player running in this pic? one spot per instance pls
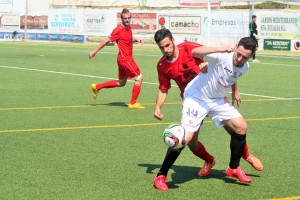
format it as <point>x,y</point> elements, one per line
<point>128,68</point>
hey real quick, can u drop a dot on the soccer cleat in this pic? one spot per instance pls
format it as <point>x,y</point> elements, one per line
<point>160,182</point>
<point>205,170</point>
<point>95,91</point>
<point>135,106</point>
<point>239,174</point>
<point>255,162</point>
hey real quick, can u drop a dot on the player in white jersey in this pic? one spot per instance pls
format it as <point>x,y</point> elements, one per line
<point>205,95</point>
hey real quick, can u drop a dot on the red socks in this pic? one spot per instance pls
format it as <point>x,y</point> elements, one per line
<point>135,93</point>
<point>108,84</point>
<point>114,83</point>
<point>246,151</point>
<point>203,154</point>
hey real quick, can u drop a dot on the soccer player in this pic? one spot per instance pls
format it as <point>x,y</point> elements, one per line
<point>128,68</point>
<point>253,34</point>
<point>205,96</point>
<point>179,64</point>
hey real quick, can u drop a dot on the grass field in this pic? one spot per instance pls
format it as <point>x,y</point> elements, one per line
<point>56,142</point>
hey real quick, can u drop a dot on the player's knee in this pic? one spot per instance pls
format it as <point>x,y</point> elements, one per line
<point>192,140</point>
<point>121,83</point>
<point>242,128</point>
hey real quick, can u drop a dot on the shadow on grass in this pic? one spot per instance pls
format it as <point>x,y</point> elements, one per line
<point>184,174</point>
<point>120,104</point>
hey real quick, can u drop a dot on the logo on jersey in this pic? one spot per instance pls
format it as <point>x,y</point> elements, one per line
<point>190,75</point>
<point>228,70</point>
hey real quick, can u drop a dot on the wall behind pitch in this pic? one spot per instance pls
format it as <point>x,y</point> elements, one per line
<point>226,26</point>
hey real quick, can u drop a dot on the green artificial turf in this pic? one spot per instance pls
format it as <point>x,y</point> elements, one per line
<point>56,142</point>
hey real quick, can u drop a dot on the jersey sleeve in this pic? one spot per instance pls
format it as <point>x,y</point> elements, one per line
<point>192,45</point>
<point>163,79</point>
<point>212,58</point>
<point>115,35</point>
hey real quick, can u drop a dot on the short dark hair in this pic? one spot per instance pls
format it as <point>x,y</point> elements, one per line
<point>253,16</point>
<point>125,11</point>
<point>162,34</point>
<point>248,43</point>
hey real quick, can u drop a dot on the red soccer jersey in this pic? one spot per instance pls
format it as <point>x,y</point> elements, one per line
<point>123,37</point>
<point>182,70</point>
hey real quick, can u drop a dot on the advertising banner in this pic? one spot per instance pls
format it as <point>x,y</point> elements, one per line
<point>180,24</point>
<point>9,22</point>
<point>34,22</point>
<point>95,24</point>
<point>231,24</point>
<point>295,45</point>
<point>65,22</point>
<point>55,37</point>
<point>277,44</point>
<point>142,22</point>
<point>283,26</point>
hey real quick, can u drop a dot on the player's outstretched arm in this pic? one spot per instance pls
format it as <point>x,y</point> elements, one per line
<point>137,40</point>
<point>235,95</point>
<point>98,48</point>
<point>161,98</point>
<point>199,52</point>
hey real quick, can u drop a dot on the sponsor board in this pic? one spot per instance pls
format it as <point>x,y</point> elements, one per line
<point>283,26</point>
<point>34,22</point>
<point>65,22</point>
<point>277,44</point>
<point>9,22</point>
<point>142,22</point>
<point>295,46</point>
<point>181,24</point>
<point>95,23</point>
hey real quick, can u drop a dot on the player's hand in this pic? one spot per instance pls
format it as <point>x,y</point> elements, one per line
<point>91,54</point>
<point>157,114</point>
<point>236,98</point>
<point>229,48</point>
<point>256,36</point>
<point>203,67</point>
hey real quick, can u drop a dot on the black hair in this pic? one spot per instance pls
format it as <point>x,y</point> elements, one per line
<point>162,34</point>
<point>248,43</point>
<point>253,16</point>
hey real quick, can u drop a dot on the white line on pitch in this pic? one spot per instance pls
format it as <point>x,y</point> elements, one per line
<point>275,64</point>
<point>91,76</point>
<point>72,74</point>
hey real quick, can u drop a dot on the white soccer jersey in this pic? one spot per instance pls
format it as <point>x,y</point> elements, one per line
<point>217,82</point>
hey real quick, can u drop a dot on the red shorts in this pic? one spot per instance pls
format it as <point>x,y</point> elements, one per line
<point>127,68</point>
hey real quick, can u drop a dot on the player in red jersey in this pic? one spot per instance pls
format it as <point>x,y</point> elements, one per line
<point>180,65</point>
<point>128,68</point>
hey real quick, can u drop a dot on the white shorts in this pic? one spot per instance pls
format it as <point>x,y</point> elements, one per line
<point>194,111</point>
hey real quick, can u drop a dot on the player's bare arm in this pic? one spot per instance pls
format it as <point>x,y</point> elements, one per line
<point>199,52</point>
<point>235,95</point>
<point>98,48</point>
<point>137,40</point>
<point>161,98</point>
<point>203,67</point>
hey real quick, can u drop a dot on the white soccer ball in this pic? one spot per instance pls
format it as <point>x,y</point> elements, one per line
<point>174,136</point>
